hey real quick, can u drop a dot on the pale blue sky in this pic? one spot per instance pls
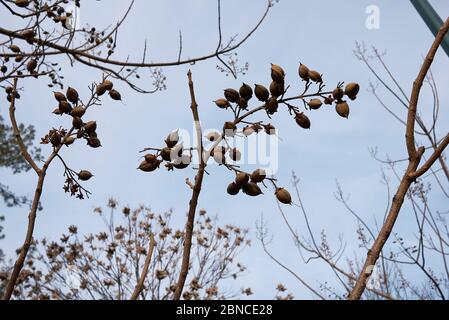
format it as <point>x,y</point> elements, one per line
<point>320,33</point>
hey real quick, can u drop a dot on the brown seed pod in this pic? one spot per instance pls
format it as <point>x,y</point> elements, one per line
<point>242,179</point>
<point>315,104</point>
<point>303,121</point>
<point>233,189</point>
<point>329,100</point>
<point>277,89</point>
<point>28,34</point>
<point>342,109</point>
<point>172,139</point>
<point>94,142</point>
<point>283,196</point>
<point>18,58</point>
<point>85,175</point>
<point>3,69</point>
<point>258,176</point>
<point>78,111</point>
<point>22,3</point>
<point>9,90</point>
<point>14,48</point>
<point>243,103</point>
<point>229,129</point>
<point>166,154</point>
<point>246,92</point>
<point>303,72</point>
<point>149,167</point>
<point>252,189</point>
<point>232,95</point>
<point>338,93</point>
<point>56,111</point>
<point>90,127</point>
<point>115,95</point>
<point>222,103</point>
<point>77,123</point>
<point>150,158</point>
<point>315,76</point>
<point>352,90</point>
<point>72,95</point>
<point>270,129</point>
<point>65,107</point>
<point>108,85</point>
<point>272,106</point>
<point>101,90</point>
<point>248,130</point>
<point>59,96</point>
<point>213,136</point>
<point>31,65</point>
<point>55,139</point>
<point>235,154</point>
<point>277,73</point>
<point>262,93</point>
<point>69,140</point>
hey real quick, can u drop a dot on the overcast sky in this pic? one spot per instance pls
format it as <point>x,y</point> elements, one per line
<point>321,34</point>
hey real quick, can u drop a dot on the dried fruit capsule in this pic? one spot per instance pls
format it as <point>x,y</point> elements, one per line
<point>31,65</point>
<point>352,89</point>
<point>78,111</point>
<point>4,69</point>
<point>329,100</point>
<point>232,95</point>
<point>262,93</point>
<point>315,104</point>
<point>229,129</point>
<point>303,121</point>
<point>258,176</point>
<point>277,89</point>
<point>22,3</point>
<point>270,129</point>
<point>72,95</point>
<point>149,167</point>
<point>342,109</point>
<point>115,95</point>
<point>248,130</point>
<point>242,179</point>
<point>55,139</point>
<point>77,123</point>
<point>172,139</point>
<point>150,158</point>
<point>14,48</point>
<point>94,142</point>
<point>85,175</point>
<point>182,162</point>
<point>59,96</point>
<point>303,72</point>
<point>315,76</point>
<point>166,154</point>
<point>283,196</point>
<point>222,103</point>
<point>277,73</point>
<point>213,136</point>
<point>338,93</point>
<point>69,140</point>
<point>219,155</point>
<point>108,85</point>
<point>235,154</point>
<point>272,106</point>
<point>252,189</point>
<point>246,92</point>
<point>65,107</point>
<point>90,127</point>
<point>243,103</point>
<point>101,90</point>
<point>233,189</point>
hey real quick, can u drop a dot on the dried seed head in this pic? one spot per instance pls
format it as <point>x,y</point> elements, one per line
<point>352,90</point>
<point>252,189</point>
<point>150,158</point>
<point>69,140</point>
<point>277,89</point>
<point>149,167</point>
<point>182,162</point>
<point>78,111</point>
<point>315,104</point>
<point>219,156</point>
<point>177,151</point>
<point>329,100</point>
<point>258,176</point>
<point>90,127</point>
<point>77,123</point>
<point>59,96</point>
<point>213,136</point>
<point>72,95</point>
<point>101,90</point>
<point>166,154</point>
<point>22,3</point>
<point>233,189</point>
<point>94,142</point>
<point>277,73</point>
<point>222,103</point>
<point>85,175</point>
<point>229,129</point>
<point>235,154</point>
<point>14,48</point>
<point>248,130</point>
<point>28,34</point>
<point>232,95</point>
<point>262,93</point>
<point>31,65</point>
<point>55,139</point>
<point>342,109</point>
<point>246,92</point>
<point>172,139</point>
<point>338,93</point>
<point>243,103</point>
<point>272,106</point>
<point>303,121</point>
<point>115,95</point>
<point>315,76</point>
<point>108,85</point>
<point>270,129</point>
<point>303,72</point>
<point>242,179</point>
<point>283,196</point>
<point>56,111</point>
<point>65,107</point>
<point>3,69</point>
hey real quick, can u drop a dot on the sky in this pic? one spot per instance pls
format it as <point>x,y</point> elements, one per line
<point>321,34</point>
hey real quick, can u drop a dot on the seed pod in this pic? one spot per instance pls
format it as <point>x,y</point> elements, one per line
<point>242,179</point>
<point>338,93</point>
<point>243,103</point>
<point>213,136</point>
<point>56,111</point>
<point>352,90</point>
<point>277,73</point>
<point>101,90</point>
<point>55,139</point>
<point>257,127</point>
<point>258,176</point>
<point>303,72</point>
<point>229,129</point>
<point>69,140</point>
<point>248,130</point>
<point>77,123</point>
<point>78,111</point>
<point>315,76</point>
<point>94,142</point>
<point>31,65</point>
<point>22,3</point>
<point>108,85</point>
<point>315,104</point>
<point>150,158</point>
<point>246,92</point>
<point>28,34</point>
<point>329,100</point>
<point>65,107</point>
<point>272,106</point>
<point>252,189</point>
<point>166,154</point>
<point>270,129</point>
<point>115,95</point>
<point>232,95</point>
<point>149,167</point>
<point>182,162</point>
<point>283,196</point>
<point>177,151</point>
<point>172,139</point>
<point>235,154</point>
<point>4,69</point>
<point>59,96</point>
<point>85,175</point>
<point>303,121</point>
<point>342,109</point>
<point>14,48</point>
<point>277,89</point>
<point>233,189</point>
<point>72,95</point>
<point>90,127</point>
<point>219,157</point>
<point>262,93</point>
<point>222,103</point>
<point>18,58</point>
<point>9,90</point>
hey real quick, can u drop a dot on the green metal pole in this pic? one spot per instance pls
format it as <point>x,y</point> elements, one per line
<point>432,19</point>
